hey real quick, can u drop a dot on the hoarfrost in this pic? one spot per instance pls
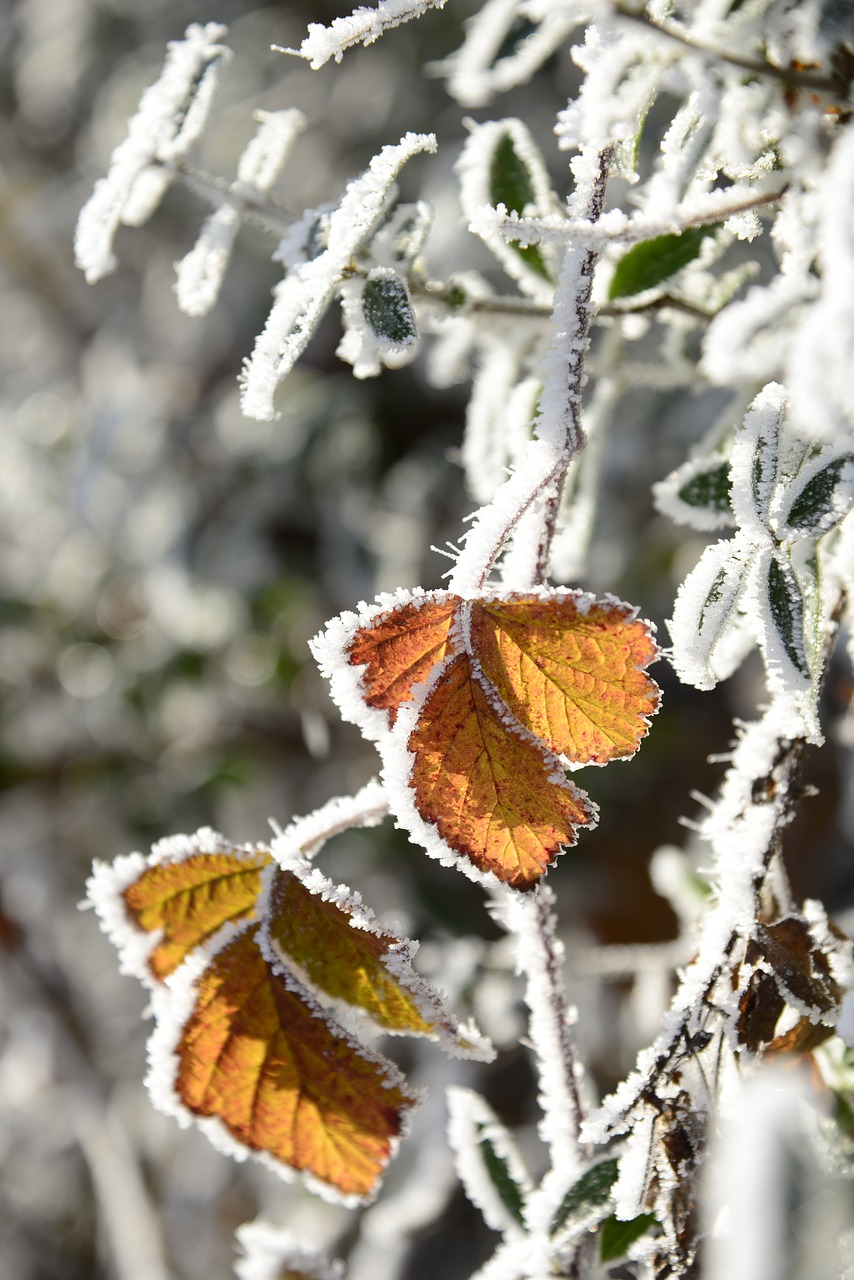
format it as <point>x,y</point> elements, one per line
<point>363,26</point>
<point>304,294</point>
<point>171,115</point>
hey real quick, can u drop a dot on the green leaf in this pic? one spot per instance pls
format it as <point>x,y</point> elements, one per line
<point>709,489</point>
<point>650,263</point>
<point>824,499</point>
<point>512,184</point>
<point>786,604</point>
<point>510,180</point>
<point>591,1189</point>
<point>387,309</point>
<point>501,1178</point>
<point>616,1237</point>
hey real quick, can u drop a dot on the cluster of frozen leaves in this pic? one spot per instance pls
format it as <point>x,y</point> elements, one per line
<point>263,976</point>
<point>777,581</point>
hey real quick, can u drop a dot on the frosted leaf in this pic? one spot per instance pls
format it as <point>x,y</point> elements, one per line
<point>788,604</point>
<point>387,311</point>
<point>781,608</point>
<point>586,1202</point>
<point>371,986</point>
<point>819,499</point>
<point>358,346</point>
<point>654,263</point>
<point>303,296</point>
<point>307,238</point>
<point>488,1161</point>
<point>755,455</point>
<point>379,323</point>
<point>705,607</point>
<point>171,114</point>
<point>401,238</point>
<point>500,164</point>
<point>174,1006</point>
<point>271,1253</point>
<point>148,189</point>
<point>261,161</point>
<point>697,494</point>
<point>126,923</point>
<point>199,275</point>
<point>504,45</point>
<point>363,26</point>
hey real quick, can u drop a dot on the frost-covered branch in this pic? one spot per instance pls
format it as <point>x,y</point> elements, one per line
<point>531,923</point>
<point>558,429</point>
<point>363,26</point>
<point>615,227</point>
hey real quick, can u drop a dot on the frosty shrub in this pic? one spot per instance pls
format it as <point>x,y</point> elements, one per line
<point>693,255</point>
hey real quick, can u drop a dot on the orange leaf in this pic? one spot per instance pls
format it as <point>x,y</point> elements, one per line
<point>257,1054</point>
<point>493,795</point>
<point>572,673</point>
<point>530,679</point>
<point>340,950</point>
<point>400,648</point>
<point>159,909</point>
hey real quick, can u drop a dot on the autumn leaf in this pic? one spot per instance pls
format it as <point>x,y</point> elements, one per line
<point>496,797</point>
<point>571,669</point>
<point>402,651</point>
<point>496,698</point>
<point>332,940</point>
<point>256,1054</point>
<point>159,909</point>
<point>259,959</point>
<point>802,964</point>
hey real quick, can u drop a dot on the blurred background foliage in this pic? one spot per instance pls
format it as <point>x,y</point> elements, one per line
<point>164,562</point>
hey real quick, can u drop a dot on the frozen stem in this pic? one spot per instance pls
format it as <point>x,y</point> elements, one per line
<point>530,920</point>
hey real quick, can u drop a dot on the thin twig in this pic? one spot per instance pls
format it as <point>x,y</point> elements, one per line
<point>529,919</point>
<point>561,1015</point>
<point>581,264</point>
<point>577,232</point>
<point>217,192</point>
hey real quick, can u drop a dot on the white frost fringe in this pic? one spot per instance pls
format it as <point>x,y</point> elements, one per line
<point>171,115</point>
<point>363,26</point>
